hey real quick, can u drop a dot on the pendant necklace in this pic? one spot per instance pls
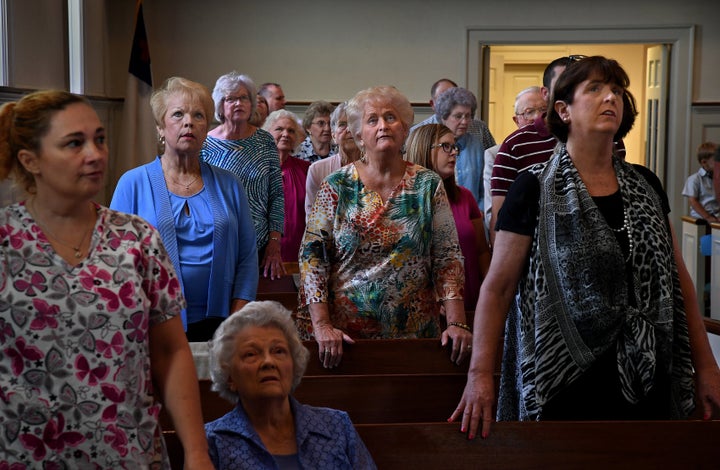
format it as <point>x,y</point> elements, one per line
<point>187,186</point>
<point>78,252</point>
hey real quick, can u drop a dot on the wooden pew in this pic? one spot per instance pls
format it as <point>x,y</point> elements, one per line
<point>544,445</point>
<point>636,445</point>
<point>715,272</point>
<point>403,380</point>
<point>283,290</point>
<point>692,230</point>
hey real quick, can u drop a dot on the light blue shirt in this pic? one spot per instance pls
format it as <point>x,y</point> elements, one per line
<point>469,167</point>
<point>234,270</point>
<point>700,186</point>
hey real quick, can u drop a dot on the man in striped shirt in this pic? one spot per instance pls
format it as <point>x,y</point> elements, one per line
<point>528,145</point>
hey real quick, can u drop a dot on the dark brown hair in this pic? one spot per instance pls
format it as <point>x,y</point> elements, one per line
<point>608,71</point>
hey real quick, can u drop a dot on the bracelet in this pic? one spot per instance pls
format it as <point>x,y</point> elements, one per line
<point>459,325</point>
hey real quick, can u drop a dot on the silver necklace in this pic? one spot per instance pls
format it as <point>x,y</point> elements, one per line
<point>187,186</point>
<point>626,228</point>
<point>44,227</point>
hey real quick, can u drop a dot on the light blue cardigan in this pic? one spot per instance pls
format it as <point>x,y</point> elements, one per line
<point>234,271</point>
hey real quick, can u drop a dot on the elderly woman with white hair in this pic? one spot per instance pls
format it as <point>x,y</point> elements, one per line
<point>287,132</point>
<point>380,255</point>
<point>257,360</point>
<point>455,107</point>
<point>347,152</point>
<point>251,154</point>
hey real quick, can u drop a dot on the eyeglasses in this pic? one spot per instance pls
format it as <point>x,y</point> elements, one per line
<point>460,117</point>
<point>532,113</point>
<point>322,124</point>
<point>447,148</point>
<point>237,99</point>
<point>571,59</point>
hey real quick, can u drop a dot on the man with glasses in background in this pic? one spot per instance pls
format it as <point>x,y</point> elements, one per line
<point>529,104</point>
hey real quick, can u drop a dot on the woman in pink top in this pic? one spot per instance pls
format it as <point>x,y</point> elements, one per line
<point>288,134</point>
<point>433,146</point>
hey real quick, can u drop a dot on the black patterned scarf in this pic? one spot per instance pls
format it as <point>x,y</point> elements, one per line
<point>574,302</point>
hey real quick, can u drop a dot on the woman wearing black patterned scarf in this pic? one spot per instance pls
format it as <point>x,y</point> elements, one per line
<point>603,322</point>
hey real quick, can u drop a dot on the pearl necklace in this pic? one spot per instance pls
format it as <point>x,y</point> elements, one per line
<point>626,228</point>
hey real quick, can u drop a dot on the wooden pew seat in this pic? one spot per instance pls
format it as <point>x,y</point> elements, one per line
<point>544,445</point>
<point>632,445</point>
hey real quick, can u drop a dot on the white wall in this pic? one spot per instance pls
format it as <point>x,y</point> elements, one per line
<point>329,49</point>
<point>326,49</point>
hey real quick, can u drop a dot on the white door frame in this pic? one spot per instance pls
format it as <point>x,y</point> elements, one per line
<point>682,39</point>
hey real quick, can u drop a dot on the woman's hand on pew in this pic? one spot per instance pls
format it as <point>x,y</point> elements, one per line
<point>458,333</point>
<point>476,405</point>
<point>708,390</point>
<point>460,339</point>
<point>330,344</point>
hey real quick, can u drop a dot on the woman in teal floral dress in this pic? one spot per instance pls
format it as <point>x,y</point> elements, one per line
<point>380,255</point>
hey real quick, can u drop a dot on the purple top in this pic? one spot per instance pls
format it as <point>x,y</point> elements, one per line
<point>464,212</point>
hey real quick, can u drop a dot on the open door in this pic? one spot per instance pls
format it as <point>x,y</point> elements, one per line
<point>656,95</point>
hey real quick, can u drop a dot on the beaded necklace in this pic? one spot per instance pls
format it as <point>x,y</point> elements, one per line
<point>626,228</point>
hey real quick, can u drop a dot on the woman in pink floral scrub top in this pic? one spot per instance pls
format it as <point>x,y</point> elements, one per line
<point>89,305</point>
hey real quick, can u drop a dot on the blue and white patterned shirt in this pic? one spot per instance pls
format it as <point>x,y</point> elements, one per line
<point>255,160</point>
<point>326,439</point>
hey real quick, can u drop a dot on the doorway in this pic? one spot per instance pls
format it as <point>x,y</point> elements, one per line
<point>481,38</point>
<point>516,67</point>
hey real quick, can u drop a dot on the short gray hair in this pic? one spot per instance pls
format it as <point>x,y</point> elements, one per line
<point>452,97</point>
<point>339,110</point>
<point>229,83</point>
<point>383,95</point>
<point>259,314</point>
<point>284,113</point>
<point>521,93</point>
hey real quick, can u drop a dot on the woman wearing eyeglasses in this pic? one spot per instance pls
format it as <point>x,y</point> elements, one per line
<point>380,255</point>
<point>251,154</point>
<point>316,122</point>
<point>433,146</point>
<point>455,108</point>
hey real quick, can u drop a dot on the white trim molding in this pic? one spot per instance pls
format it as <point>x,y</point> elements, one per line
<point>76,56</point>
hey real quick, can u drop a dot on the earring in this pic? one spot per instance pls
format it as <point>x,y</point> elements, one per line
<point>161,140</point>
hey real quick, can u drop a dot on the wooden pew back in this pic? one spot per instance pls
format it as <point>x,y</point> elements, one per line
<point>635,445</point>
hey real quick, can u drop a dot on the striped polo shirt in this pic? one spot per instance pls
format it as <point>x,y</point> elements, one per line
<point>527,146</point>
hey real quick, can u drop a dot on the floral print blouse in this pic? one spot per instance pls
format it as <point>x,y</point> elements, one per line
<point>75,379</point>
<point>382,266</point>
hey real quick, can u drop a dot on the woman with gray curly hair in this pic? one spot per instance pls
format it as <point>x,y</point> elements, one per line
<point>347,152</point>
<point>251,154</point>
<point>287,132</point>
<point>455,107</point>
<point>380,255</point>
<point>256,361</point>
<point>316,122</point>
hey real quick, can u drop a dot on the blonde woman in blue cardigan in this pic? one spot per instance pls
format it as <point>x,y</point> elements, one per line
<point>201,211</point>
